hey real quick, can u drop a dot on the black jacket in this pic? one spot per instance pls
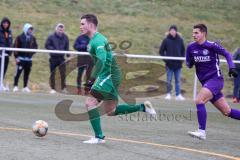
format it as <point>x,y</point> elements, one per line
<point>56,42</point>
<point>236,56</point>
<point>22,42</point>
<point>172,47</point>
<point>6,35</point>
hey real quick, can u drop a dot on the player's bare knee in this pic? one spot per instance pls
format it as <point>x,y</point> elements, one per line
<point>199,101</point>
<point>226,113</point>
<point>91,103</point>
<point>111,113</point>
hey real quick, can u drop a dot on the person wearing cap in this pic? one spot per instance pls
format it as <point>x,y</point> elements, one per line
<point>5,41</point>
<point>57,41</point>
<point>24,59</point>
<point>173,46</point>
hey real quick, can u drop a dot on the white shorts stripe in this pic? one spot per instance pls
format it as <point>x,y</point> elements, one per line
<point>104,80</point>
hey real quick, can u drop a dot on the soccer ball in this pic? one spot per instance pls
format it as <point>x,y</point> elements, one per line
<point>40,128</point>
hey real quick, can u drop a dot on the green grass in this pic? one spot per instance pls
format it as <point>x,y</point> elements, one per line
<point>143,22</point>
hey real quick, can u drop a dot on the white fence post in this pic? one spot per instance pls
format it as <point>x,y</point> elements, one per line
<point>195,86</point>
<point>2,69</point>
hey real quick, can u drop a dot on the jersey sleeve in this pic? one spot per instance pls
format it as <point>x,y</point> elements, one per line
<point>101,55</point>
<point>189,58</point>
<point>222,51</point>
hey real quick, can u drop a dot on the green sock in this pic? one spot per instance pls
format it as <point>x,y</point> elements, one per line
<point>125,108</point>
<point>94,117</point>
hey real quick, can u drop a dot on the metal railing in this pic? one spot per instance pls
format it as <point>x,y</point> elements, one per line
<point>86,53</point>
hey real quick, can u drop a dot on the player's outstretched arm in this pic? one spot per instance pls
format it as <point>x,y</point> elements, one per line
<point>222,51</point>
<point>232,72</point>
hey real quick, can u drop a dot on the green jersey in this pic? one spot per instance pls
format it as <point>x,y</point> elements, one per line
<point>105,71</point>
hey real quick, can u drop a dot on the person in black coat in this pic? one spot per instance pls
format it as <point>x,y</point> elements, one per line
<point>57,41</point>
<point>5,41</point>
<point>173,46</point>
<point>84,61</point>
<point>24,59</point>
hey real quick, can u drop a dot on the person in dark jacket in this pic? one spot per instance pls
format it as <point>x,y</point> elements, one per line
<point>173,46</point>
<point>24,59</point>
<point>57,41</point>
<point>236,89</point>
<point>84,61</point>
<point>5,41</point>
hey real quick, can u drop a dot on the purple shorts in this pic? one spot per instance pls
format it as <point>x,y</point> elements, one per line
<point>215,85</point>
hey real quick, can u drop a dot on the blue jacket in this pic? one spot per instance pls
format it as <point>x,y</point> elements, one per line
<point>81,43</point>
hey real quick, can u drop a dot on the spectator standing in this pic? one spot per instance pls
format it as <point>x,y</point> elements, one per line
<point>84,61</point>
<point>57,41</point>
<point>173,46</point>
<point>236,89</point>
<point>5,41</point>
<point>24,59</point>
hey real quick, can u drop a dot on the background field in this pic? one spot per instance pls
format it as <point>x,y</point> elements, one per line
<point>143,22</point>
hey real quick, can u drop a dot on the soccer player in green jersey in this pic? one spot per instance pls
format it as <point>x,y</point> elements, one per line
<point>105,80</point>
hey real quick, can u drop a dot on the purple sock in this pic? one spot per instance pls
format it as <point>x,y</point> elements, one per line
<point>202,116</point>
<point>235,114</point>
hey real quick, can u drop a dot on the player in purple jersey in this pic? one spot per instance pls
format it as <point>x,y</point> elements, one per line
<point>205,56</point>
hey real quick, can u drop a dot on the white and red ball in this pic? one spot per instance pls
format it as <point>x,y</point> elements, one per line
<point>40,128</point>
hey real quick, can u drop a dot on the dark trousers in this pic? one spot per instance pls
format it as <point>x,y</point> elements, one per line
<point>54,64</point>
<point>79,76</point>
<point>5,65</point>
<point>84,62</point>
<point>236,88</point>
<point>26,66</point>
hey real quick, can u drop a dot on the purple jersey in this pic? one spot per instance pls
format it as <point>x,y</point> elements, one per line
<point>205,57</point>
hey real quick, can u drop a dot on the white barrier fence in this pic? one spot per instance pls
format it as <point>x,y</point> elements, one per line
<point>86,53</point>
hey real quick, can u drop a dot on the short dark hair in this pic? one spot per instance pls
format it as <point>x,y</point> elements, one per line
<point>201,27</point>
<point>90,18</point>
<point>173,27</point>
